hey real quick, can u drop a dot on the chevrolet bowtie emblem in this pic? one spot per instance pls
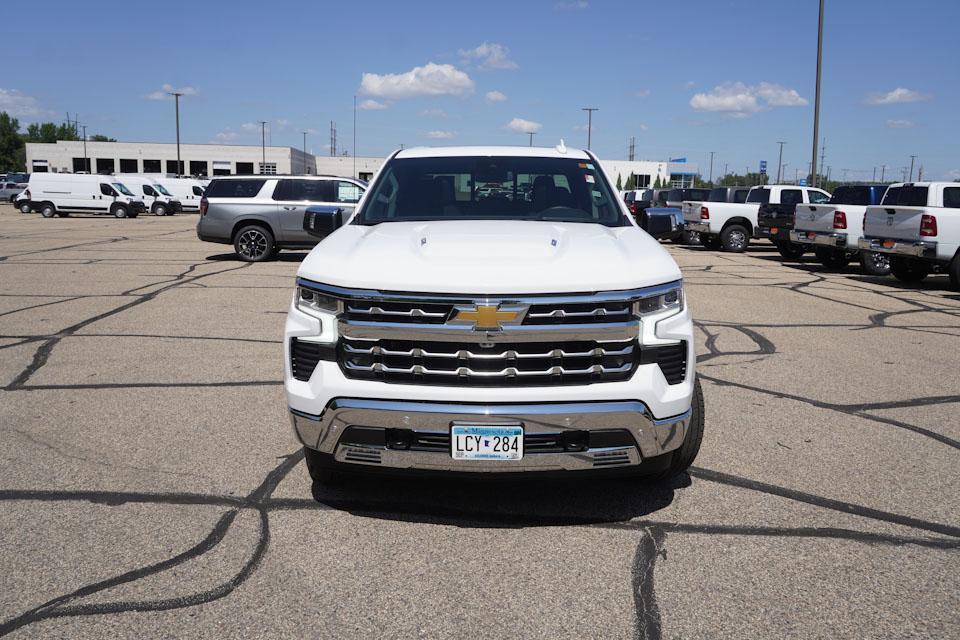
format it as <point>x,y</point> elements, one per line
<point>486,317</point>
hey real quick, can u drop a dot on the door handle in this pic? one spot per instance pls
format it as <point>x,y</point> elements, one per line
<point>290,208</point>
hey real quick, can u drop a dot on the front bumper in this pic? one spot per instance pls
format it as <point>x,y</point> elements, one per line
<point>818,238</point>
<point>138,207</point>
<point>330,433</point>
<point>918,249</point>
<point>700,227</point>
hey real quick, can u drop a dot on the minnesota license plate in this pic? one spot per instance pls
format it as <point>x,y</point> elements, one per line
<point>486,442</point>
<point>773,231</point>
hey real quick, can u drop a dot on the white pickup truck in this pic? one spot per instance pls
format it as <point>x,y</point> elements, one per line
<point>918,226</point>
<point>727,224</point>
<point>833,229</point>
<point>538,331</point>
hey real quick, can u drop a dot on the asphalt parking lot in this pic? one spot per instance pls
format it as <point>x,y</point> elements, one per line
<point>151,486</point>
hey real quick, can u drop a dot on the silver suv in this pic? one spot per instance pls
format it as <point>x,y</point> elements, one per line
<point>259,215</point>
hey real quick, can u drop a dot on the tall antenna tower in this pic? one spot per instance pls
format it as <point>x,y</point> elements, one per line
<point>333,138</point>
<point>633,149</point>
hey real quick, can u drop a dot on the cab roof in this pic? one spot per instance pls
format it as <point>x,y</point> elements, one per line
<point>481,151</point>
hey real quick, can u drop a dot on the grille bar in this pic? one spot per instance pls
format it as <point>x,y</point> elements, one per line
<point>466,372</point>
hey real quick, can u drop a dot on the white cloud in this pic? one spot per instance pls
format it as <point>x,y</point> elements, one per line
<point>489,55</point>
<point>689,84</point>
<point>226,136</point>
<point>167,89</point>
<point>281,124</point>
<point>250,127</point>
<point>524,126</point>
<point>642,93</point>
<point>441,135</point>
<point>429,80</point>
<point>495,96</point>
<point>433,113</point>
<point>953,174</point>
<point>571,5</point>
<point>900,124</point>
<point>643,127</point>
<point>21,105</point>
<point>739,100</point>
<point>897,96</point>
<point>371,105</point>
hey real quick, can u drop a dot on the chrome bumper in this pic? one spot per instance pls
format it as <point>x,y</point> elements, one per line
<point>653,437</point>
<point>700,227</point>
<point>820,238</point>
<point>899,247</point>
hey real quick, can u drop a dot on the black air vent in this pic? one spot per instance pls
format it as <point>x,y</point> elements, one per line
<point>671,358</point>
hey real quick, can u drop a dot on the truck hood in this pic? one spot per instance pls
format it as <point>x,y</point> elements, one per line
<point>489,257</point>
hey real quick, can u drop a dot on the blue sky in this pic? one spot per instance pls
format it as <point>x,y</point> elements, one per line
<point>683,78</point>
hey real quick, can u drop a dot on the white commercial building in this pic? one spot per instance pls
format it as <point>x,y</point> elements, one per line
<point>221,160</point>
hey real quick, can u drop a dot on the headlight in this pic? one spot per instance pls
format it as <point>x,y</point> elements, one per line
<point>316,303</point>
<point>671,300</point>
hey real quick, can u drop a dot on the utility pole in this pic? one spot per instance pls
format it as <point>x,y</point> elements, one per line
<point>86,158</point>
<point>306,170</point>
<point>354,136</point>
<point>176,101</point>
<point>780,161</point>
<point>530,133</point>
<point>874,174</point>
<point>633,149</point>
<point>796,175</point>
<point>920,173</point>
<point>883,168</point>
<point>816,104</point>
<point>263,145</point>
<point>589,111</point>
<point>711,166</point>
<point>725,174</point>
<point>823,155</point>
<point>912,158</point>
<point>333,138</point>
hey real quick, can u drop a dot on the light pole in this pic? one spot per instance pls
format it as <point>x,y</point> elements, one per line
<point>816,104</point>
<point>86,158</point>
<point>530,133</point>
<point>912,158</point>
<point>354,136</point>
<point>780,162</point>
<point>883,169</point>
<point>176,101</point>
<point>263,145</point>
<point>305,170</point>
<point>711,167</point>
<point>589,111</point>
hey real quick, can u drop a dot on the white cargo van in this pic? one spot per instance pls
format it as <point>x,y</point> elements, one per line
<point>65,193</point>
<point>158,200</point>
<point>187,190</point>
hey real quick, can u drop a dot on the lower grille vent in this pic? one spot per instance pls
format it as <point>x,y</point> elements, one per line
<point>671,358</point>
<point>304,357</point>
<point>365,456</point>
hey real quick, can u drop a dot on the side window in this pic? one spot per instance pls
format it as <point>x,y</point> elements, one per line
<point>148,190</point>
<point>818,197</point>
<point>740,195</point>
<point>347,192</point>
<point>197,191</point>
<point>107,190</point>
<point>791,196</point>
<point>951,197</point>
<point>304,191</point>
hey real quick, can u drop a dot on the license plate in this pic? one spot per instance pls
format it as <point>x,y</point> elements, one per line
<point>888,244</point>
<point>773,231</point>
<point>811,235</point>
<point>485,442</point>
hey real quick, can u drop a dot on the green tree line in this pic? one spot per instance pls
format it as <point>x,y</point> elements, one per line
<point>12,140</point>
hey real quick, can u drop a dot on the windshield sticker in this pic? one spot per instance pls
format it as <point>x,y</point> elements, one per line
<point>588,178</point>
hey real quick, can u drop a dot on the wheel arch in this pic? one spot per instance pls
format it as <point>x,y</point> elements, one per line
<point>246,222</point>
<point>743,222</point>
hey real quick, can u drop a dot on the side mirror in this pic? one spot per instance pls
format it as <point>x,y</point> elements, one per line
<point>322,221</point>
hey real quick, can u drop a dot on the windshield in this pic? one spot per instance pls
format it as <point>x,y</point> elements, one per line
<point>491,188</point>
<point>161,189</point>
<point>759,195</point>
<point>122,189</point>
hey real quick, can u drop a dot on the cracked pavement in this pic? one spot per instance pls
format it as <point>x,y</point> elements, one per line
<point>151,485</point>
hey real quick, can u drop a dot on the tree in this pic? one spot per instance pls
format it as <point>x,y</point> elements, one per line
<point>631,183</point>
<point>704,184</point>
<point>656,183</point>
<point>11,145</point>
<point>619,184</point>
<point>99,137</point>
<point>49,132</point>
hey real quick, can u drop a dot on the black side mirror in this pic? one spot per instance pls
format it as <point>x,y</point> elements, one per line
<point>322,221</point>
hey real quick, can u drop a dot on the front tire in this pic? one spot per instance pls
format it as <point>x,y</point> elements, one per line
<point>874,263</point>
<point>254,243</point>
<point>908,269</point>
<point>25,208</point>
<point>791,250</point>
<point>120,211</point>
<point>47,210</point>
<point>735,238</point>
<point>682,458</point>
<point>832,258</point>
<point>159,210</point>
<point>710,242</point>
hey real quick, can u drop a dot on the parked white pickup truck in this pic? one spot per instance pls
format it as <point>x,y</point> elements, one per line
<point>834,229</point>
<point>538,331</point>
<point>726,224</point>
<point>918,226</point>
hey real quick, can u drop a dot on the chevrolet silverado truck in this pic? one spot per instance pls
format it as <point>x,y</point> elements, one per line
<point>778,203</point>
<point>437,331</point>
<point>833,229</point>
<point>691,209</point>
<point>918,226</point>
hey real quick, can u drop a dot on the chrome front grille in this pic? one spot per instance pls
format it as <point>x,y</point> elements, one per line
<point>549,313</point>
<point>487,364</point>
